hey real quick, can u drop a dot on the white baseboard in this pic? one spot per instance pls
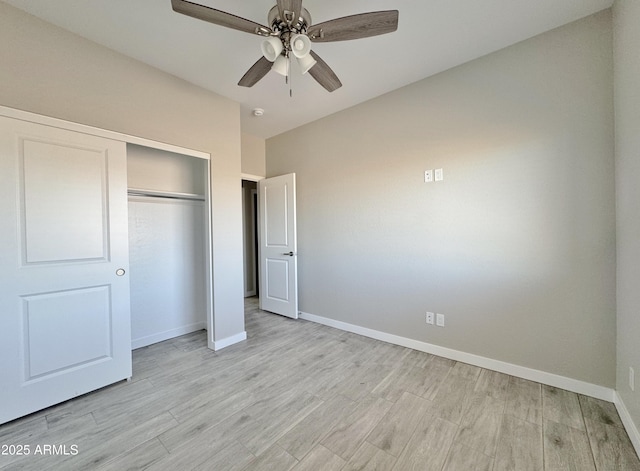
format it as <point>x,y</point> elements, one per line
<point>550,379</point>
<point>166,335</point>
<point>627,421</point>
<point>222,343</point>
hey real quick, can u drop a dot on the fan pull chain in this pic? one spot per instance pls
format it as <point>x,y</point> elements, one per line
<point>290,81</point>
<point>287,78</point>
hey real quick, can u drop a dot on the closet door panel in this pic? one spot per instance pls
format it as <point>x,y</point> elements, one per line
<point>48,185</point>
<point>64,317</point>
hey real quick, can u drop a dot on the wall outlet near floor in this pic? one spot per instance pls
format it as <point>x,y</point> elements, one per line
<point>429,317</point>
<point>428,176</point>
<point>632,379</point>
<point>440,320</point>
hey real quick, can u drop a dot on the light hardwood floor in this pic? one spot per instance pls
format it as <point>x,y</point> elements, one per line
<point>302,396</point>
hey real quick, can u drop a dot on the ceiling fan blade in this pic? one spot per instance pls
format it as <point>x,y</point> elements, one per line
<point>358,26</point>
<point>218,17</point>
<point>290,10</point>
<point>324,75</point>
<point>255,73</point>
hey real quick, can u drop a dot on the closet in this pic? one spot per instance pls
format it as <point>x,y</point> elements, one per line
<point>167,214</point>
<point>105,246</point>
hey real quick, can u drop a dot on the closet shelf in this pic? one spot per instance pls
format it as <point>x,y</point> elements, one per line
<point>165,194</point>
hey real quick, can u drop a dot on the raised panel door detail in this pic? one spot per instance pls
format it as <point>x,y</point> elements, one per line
<point>76,324</point>
<point>64,203</point>
<point>278,279</point>
<point>276,216</point>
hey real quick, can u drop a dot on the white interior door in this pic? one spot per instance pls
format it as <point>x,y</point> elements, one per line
<point>278,245</point>
<point>64,288</point>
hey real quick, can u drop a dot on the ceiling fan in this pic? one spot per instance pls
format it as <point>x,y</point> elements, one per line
<point>290,33</point>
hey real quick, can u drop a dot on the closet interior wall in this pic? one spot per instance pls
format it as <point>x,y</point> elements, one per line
<point>167,243</point>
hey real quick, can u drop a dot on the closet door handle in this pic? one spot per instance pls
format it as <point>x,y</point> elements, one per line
<point>290,254</point>
<point>120,272</point>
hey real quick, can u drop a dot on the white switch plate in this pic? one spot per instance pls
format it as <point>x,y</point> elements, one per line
<point>428,176</point>
<point>439,174</point>
<point>429,318</point>
<point>632,379</point>
<point>440,320</point>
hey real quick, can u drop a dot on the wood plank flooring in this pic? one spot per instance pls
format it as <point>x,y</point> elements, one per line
<point>301,396</point>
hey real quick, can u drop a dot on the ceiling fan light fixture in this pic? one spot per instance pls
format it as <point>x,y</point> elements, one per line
<point>281,65</point>
<point>290,32</point>
<point>306,63</point>
<point>300,45</point>
<point>271,48</point>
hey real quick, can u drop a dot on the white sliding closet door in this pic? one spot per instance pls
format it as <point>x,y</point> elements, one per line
<point>167,258</point>
<point>64,286</point>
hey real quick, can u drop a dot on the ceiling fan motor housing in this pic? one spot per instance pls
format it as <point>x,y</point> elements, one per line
<point>289,25</point>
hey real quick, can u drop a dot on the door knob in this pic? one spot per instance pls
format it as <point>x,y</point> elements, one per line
<point>290,254</point>
<point>120,271</point>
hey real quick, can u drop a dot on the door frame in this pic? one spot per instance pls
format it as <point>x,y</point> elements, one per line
<point>255,239</point>
<point>254,178</point>
<point>252,205</point>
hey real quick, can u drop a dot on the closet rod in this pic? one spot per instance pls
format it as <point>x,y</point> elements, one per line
<point>166,195</point>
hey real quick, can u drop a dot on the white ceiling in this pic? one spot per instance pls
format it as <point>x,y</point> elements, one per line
<point>432,36</point>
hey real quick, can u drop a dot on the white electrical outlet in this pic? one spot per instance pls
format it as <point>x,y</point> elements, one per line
<point>429,318</point>
<point>428,176</point>
<point>632,379</point>
<point>439,174</point>
<point>440,320</point>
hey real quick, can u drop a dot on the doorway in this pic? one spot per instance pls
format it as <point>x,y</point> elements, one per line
<point>250,237</point>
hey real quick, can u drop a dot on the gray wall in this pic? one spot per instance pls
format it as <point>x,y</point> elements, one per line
<point>627,103</point>
<point>516,246</point>
<point>253,155</point>
<point>47,70</point>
